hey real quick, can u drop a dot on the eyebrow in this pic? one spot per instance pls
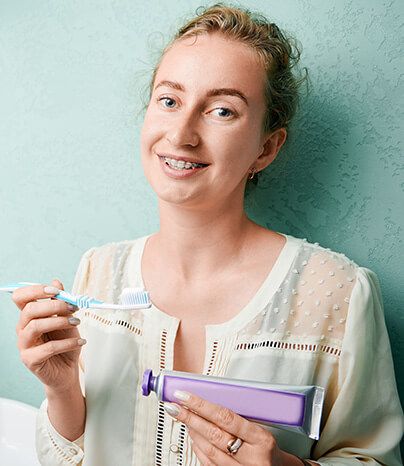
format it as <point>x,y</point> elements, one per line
<point>211,92</point>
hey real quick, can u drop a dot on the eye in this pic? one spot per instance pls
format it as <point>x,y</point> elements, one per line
<point>224,112</point>
<point>168,100</point>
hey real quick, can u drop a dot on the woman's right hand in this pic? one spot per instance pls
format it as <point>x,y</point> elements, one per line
<point>49,344</point>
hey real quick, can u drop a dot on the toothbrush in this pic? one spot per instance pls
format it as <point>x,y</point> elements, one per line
<point>132,298</point>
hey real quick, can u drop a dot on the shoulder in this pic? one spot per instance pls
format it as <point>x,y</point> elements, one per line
<point>101,266</point>
<point>313,254</point>
<point>321,281</point>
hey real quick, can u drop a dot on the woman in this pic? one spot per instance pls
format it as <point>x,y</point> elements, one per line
<point>230,298</point>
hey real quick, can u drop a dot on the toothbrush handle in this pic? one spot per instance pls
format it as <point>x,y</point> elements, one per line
<point>66,297</point>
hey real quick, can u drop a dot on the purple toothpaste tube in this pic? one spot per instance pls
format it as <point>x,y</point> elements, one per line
<point>290,407</point>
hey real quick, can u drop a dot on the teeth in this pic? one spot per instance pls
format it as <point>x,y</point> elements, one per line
<point>181,164</point>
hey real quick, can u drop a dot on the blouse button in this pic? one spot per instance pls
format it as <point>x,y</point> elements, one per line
<point>340,285</point>
<point>72,451</point>
<point>321,281</point>
<point>174,448</point>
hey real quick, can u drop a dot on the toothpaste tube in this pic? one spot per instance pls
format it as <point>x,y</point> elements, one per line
<point>294,408</point>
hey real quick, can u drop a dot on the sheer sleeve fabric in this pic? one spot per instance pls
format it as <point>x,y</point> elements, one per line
<point>52,448</point>
<point>365,424</point>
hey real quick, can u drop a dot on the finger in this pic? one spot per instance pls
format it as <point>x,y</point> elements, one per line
<point>48,308</point>
<point>212,434</point>
<point>58,284</point>
<point>34,357</point>
<point>211,452</point>
<point>22,296</point>
<point>201,455</point>
<point>37,327</point>
<point>221,416</point>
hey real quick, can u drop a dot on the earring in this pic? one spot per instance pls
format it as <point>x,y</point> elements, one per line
<point>252,174</point>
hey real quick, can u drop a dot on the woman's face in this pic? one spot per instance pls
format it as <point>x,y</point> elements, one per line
<point>207,106</point>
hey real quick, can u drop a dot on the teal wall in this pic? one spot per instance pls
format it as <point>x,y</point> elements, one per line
<point>71,78</point>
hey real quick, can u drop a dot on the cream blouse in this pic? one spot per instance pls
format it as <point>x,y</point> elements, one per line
<point>317,319</point>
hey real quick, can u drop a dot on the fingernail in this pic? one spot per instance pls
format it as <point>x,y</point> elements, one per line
<point>73,320</point>
<point>172,409</point>
<point>71,307</point>
<point>81,341</point>
<point>51,290</point>
<point>180,395</point>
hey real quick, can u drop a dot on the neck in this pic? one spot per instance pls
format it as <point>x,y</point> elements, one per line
<point>198,244</point>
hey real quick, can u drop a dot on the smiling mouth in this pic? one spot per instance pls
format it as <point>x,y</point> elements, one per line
<point>181,164</point>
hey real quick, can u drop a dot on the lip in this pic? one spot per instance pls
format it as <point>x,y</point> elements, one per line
<point>185,159</point>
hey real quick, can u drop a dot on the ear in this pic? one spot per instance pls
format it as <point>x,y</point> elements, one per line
<point>270,148</point>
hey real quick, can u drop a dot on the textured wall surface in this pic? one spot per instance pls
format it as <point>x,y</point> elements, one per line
<point>71,79</point>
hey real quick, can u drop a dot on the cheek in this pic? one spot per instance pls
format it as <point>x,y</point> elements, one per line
<point>149,133</point>
<point>236,149</point>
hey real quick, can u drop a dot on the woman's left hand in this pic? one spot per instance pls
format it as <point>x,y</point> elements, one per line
<point>212,426</point>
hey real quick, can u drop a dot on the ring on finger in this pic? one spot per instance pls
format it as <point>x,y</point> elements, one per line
<point>233,445</point>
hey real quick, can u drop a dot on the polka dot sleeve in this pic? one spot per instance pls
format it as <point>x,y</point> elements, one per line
<point>365,424</point>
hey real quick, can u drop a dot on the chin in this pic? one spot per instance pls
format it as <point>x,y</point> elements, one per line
<point>171,191</point>
<point>178,196</point>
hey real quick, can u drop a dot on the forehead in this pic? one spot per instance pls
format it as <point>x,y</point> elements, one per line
<point>211,61</point>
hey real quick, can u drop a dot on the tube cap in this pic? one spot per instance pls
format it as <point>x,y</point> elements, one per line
<point>147,382</point>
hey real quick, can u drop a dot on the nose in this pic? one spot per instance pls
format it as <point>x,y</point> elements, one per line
<point>183,131</point>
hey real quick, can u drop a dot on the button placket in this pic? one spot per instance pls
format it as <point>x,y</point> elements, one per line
<point>175,431</point>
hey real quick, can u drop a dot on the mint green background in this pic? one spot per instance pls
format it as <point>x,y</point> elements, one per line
<point>71,79</point>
